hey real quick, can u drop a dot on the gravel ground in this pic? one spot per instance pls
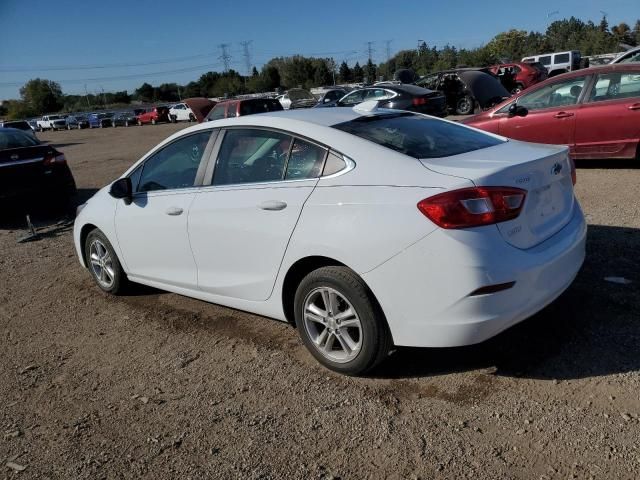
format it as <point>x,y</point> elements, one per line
<point>158,386</point>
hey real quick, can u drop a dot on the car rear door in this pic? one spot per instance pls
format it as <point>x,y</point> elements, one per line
<point>552,111</point>
<point>608,125</point>
<point>240,225</point>
<point>152,229</point>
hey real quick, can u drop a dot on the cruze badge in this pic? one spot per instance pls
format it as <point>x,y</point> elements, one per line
<point>556,169</point>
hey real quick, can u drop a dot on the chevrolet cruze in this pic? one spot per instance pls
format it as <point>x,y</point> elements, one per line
<point>365,228</point>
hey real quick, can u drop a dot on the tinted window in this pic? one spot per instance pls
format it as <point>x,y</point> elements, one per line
<point>545,60</point>
<point>354,98</point>
<point>333,164</point>
<point>305,160</point>
<point>249,107</point>
<point>16,139</point>
<point>616,85</point>
<point>176,165</point>
<point>217,113</point>
<point>554,95</point>
<point>562,58</point>
<point>418,136</point>
<point>250,156</point>
<point>19,125</point>
<point>232,110</point>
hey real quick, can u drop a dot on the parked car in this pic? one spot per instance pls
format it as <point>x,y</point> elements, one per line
<point>100,120</point>
<point>595,111</point>
<point>20,125</point>
<point>124,119</point>
<point>297,98</point>
<point>181,113</point>
<point>630,56</point>
<point>521,75</point>
<point>77,121</point>
<point>397,97</point>
<point>466,89</point>
<point>33,171</point>
<point>366,228</point>
<point>557,63</point>
<point>241,107</point>
<point>52,122</point>
<point>153,115</point>
<point>331,95</point>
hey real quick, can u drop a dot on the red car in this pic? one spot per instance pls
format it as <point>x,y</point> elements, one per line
<point>153,115</point>
<point>526,74</point>
<point>595,111</point>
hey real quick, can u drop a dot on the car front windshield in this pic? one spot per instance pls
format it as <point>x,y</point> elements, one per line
<point>298,94</point>
<point>418,136</point>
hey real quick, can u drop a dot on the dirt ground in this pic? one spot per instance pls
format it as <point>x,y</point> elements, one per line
<point>159,386</point>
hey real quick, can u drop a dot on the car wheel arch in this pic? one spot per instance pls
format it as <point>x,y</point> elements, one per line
<point>84,233</point>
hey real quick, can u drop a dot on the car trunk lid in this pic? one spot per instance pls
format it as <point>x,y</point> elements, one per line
<point>543,171</point>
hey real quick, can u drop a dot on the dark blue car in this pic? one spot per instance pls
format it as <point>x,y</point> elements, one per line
<point>100,120</point>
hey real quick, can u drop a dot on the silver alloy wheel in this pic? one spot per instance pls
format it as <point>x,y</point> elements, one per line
<point>332,324</point>
<point>101,264</point>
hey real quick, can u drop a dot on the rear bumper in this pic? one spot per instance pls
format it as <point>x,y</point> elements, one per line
<point>425,290</point>
<point>58,183</point>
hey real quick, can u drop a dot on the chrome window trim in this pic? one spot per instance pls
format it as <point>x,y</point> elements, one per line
<point>350,165</point>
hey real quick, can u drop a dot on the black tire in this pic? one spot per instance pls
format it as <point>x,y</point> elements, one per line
<point>464,105</point>
<point>192,117</point>
<point>376,338</point>
<point>79,127</point>
<point>139,123</point>
<point>120,281</point>
<point>517,89</point>
<point>153,121</point>
<point>126,123</point>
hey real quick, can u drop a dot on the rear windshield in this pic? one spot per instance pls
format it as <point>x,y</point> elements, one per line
<point>418,136</point>
<point>20,125</point>
<point>16,139</point>
<point>250,107</point>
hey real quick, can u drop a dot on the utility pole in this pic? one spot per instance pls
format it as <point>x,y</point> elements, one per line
<point>370,50</point>
<point>247,55</point>
<point>86,95</point>
<point>420,42</point>
<point>225,56</point>
<point>388,52</point>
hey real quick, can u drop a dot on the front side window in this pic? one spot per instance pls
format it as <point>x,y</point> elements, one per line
<point>631,57</point>
<point>546,60</point>
<point>353,98</point>
<point>615,86</point>
<point>418,136</point>
<point>305,160</point>
<point>561,58</point>
<point>176,165</point>
<point>251,156</point>
<point>217,113</point>
<point>564,93</point>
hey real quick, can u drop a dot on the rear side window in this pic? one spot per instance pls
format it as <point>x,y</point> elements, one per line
<point>334,164</point>
<point>546,60</point>
<point>615,86</point>
<point>250,107</point>
<point>418,136</point>
<point>305,160</point>
<point>217,113</point>
<point>562,58</point>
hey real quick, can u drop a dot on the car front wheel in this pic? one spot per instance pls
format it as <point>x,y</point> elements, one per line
<point>103,263</point>
<point>464,106</point>
<point>340,322</point>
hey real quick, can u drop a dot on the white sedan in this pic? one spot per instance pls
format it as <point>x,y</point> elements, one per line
<point>364,228</point>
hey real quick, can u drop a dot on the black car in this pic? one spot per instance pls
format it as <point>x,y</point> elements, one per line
<point>332,95</point>
<point>397,97</point>
<point>23,125</point>
<point>466,89</point>
<point>124,119</point>
<point>77,121</point>
<point>33,170</point>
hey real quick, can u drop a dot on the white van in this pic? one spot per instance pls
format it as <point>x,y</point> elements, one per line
<point>557,63</point>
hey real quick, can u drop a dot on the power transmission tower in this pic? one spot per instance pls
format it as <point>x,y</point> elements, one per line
<point>225,56</point>
<point>388,49</point>
<point>370,50</point>
<point>247,55</point>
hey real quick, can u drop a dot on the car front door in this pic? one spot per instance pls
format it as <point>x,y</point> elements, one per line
<point>608,125</point>
<point>240,225</point>
<point>552,112</point>
<point>152,229</point>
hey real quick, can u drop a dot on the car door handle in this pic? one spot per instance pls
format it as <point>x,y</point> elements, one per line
<point>635,106</point>
<point>273,205</point>
<point>174,211</point>
<point>563,115</point>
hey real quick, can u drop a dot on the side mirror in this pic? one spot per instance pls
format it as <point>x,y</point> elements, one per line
<point>516,110</point>
<point>122,188</point>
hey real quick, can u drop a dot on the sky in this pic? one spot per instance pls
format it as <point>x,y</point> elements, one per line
<point>118,45</point>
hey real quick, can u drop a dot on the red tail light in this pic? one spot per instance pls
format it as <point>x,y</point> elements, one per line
<point>419,101</point>
<point>473,207</point>
<point>54,157</point>
<point>574,176</point>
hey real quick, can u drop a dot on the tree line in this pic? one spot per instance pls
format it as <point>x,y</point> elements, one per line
<point>40,96</point>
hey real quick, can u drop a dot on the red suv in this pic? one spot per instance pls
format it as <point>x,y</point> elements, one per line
<point>247,106</point>
<point>594,111</point>
<point>526,74</point>
<point>153,115</point>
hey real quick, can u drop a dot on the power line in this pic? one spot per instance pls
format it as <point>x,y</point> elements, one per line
<point>225,56</point>
<point>247,55</point>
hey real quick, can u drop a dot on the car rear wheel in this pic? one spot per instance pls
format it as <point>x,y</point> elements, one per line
<point>464,106</point>
<point>192,117</point>
<point>153,121</point>
<point>139,123</point>
<point>126,123</point>
<point>340,322</point>
<point>103,263</point>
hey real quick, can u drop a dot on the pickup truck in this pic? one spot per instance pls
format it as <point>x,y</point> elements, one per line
<point>52,122</point>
